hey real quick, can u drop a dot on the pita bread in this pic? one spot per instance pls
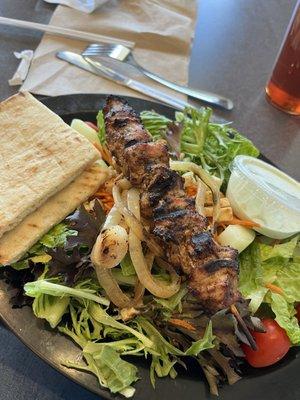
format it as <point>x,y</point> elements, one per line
<point>40,155</point>
<point>15,243</point>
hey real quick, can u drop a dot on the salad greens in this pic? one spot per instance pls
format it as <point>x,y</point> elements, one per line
<point>92,327</point>
<point>50,308</point>
<point>84,290</point>
<point>56,237</point>
<point>112,371</point>
<point>127,266</point>
<point>51,299</point>
<point>101,359</point>
<point>101,127</point>
<point>210,145</point>
<point>156,124</point>
<point>271,274</point>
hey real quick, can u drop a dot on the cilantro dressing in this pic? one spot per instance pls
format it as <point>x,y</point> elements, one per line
<point>263,194</point>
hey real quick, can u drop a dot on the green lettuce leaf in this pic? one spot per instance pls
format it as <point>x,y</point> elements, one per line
<point>288,278</point>
<point>102,359</point>
<point>50,308</point>
<point>101,127</point>
<point>264,267</point>
<point>211,145</point>
<point>174,302</point>
<point>112,371</point>
<point>100,315</point>
<point>56,237</point>
<point>285,316</point>
<point>251,276</point>
<point>296,255</point>
<point>163,353</point>
<point>127,266</point>
<point>284,250</point>
<point>85,328</point>
<point>128,346</point>
<point>205,343</point>
<point>155,123</point>
<point>22,264</point>
<point>82,291</point>
<point>221,146</point>
<point>138,337</point>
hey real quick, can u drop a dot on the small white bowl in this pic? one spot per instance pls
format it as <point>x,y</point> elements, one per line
<point>262,193</point>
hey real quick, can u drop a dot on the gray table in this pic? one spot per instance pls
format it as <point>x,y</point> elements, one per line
<point>235,46</point>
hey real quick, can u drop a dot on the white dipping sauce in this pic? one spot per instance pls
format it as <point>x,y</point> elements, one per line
<point>263,194</point>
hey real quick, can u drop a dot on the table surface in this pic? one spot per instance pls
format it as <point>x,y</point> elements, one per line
<point>235,46</point>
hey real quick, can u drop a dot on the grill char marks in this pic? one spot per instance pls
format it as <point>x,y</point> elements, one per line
<point>125,129</point>
<point>175,223</point>
<point>142,159</point>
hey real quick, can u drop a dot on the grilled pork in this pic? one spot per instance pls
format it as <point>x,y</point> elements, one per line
<point>212,269</point>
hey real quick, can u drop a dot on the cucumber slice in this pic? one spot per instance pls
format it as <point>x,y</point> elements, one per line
<point>85,130</point>
<point>236,236</point>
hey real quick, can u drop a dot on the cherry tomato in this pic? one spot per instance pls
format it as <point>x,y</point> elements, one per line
<point>272,345</point>
<point>298,311</point>
<point>91,125</point>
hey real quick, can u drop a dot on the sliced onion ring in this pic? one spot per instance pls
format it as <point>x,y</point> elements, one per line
<point>130,219</point>
<point>112,289</point>
<point>200,197</point>
<point>134,224</point>
<point>133,202</point>
<point>104,275</point>
<point>157,288</point>
<point>111,247</point>
<point>113,218</point>
<point>212,182</point>
<point>139,289</point>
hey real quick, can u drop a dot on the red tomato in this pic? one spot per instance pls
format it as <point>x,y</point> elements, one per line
<point>91,125</point>
<point>298,311</point>
<point>272,345</point>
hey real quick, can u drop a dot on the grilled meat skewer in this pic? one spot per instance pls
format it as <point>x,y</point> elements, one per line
<point>212,269</point>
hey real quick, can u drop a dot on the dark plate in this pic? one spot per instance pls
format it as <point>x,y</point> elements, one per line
<point>277,382</point>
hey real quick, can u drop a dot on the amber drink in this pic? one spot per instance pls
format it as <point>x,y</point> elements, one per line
<point>283,88</point>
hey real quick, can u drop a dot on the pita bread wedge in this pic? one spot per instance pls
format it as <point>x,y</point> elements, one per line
<point>15,243</point>
<point>39,155</point>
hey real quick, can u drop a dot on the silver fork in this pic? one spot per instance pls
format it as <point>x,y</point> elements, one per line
<point>124,54</point>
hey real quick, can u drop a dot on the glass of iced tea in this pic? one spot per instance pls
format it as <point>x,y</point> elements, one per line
<point>283,88</point>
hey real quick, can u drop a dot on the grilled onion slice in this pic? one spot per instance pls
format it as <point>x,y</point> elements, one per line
<point>103,260</point>
<point>211,181</point>
<point>157,288</point>
<point>111,247</point>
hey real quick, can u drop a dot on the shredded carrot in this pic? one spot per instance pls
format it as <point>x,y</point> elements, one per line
<point>191,191</point>
<point>274,288</point>
<point>244,222</point>
<point>182,324</point>
<point>105,197</point>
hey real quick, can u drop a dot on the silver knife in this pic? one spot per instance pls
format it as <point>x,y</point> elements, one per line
<point>106,72</point>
